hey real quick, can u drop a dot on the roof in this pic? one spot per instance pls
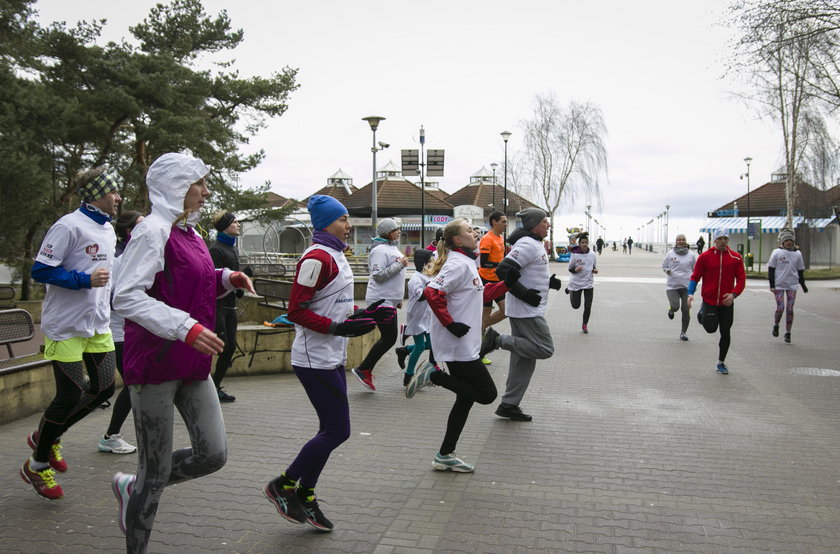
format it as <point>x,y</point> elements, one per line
<point>339,175</point>
<point>395,197</point>
<point>483,195</point>
<point>338,191</point>
<point>276,201</point>
<point>769,200</point>
<point>768,224</point>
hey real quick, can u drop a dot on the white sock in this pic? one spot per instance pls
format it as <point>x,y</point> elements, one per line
<point>37,466</point>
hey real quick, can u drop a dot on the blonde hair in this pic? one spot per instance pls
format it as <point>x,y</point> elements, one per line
<point>186,213</point>
<point>218,215</point>
<point>446,243</point>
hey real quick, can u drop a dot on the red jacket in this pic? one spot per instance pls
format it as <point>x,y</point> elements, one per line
<point>721,272</point>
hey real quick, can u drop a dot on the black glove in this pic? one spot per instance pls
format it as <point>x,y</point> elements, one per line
<point>360,312</point>
<point>512,277</point>
<point>532,297</point>
<point>554,283</point>
<point>352,327</point>
<point>458,329</point>
<point>804,288</point>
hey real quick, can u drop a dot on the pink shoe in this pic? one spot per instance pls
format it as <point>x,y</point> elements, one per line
<point>585,329</point>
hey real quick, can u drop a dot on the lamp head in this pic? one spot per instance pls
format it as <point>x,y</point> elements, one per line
<point>505,135</point>
<point>373,120</point>
<point>748,160</point>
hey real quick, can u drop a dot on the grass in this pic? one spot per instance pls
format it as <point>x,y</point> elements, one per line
<point>810,274</point>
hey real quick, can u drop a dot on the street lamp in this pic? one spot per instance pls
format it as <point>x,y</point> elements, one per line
<point>588,216</point>
<point>374,120</point>
<point>505,137</point>
<point>494,165</point>
<point>748,161</point>
<point>667,220</point>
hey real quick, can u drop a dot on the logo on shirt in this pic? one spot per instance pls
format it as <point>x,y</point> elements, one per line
<point>783,259</point>
<point>477,284</point>
<point>92,250</point>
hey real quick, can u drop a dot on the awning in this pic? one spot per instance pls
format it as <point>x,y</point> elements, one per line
<point>772,224</point>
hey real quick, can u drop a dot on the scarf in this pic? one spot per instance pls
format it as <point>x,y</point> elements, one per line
<point>327,239</point>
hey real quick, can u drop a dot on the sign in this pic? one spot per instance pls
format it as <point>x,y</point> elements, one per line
<point>752,229</point>
<point>440,219</point>
<point>468,212</point>
<point>726,213</point>
<point>434,163</point>
<point>410,162</point>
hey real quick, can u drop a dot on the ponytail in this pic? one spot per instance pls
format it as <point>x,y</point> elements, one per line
<point>446,243</point>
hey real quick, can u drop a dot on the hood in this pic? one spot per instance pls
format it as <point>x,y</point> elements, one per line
<point>522,232</point>
<point>168,180</point>
<point>379,241</point>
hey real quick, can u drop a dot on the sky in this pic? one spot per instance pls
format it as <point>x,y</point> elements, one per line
<point>466,70</point>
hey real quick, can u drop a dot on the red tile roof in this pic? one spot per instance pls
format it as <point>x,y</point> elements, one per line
<point>395,197</point>
<point>482,195</point>
<point>769,200</point>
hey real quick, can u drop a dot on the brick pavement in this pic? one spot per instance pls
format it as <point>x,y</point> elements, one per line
<point>637,445</point>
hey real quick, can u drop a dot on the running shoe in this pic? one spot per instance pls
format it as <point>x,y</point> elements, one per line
<point>451,462</point>
<point>42,481</point>
<point>585,329</point>
<point>787,337</point>
<point>486,361</point>
<point>56,459</point>
<point>402,354</point>
<point>314,516</point>
<point>421,379</point>
<point>489,342</point>
<point>722,369</point>
<point>365,377</point>
<point>286,501</point>
<point>123,485</point>
<point>512,412</point>
<point>116,445</point>
<point>407,378</point>
<point>683,336</point>
<point>670,313</point>
<point>225,397</point>
<point>775,331</point>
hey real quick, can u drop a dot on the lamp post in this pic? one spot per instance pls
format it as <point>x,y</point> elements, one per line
<point>494,165</point>
<point>667,221</point>
<point>588,216</point>
<point>505,137</point>
<point>373,120</point>
<point>748,161</point>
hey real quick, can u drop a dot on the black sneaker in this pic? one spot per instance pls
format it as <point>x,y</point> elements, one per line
<point>225,397</point>
<point>315,517</point>
<point>407,378</point>
<point>489,343</point>
<point>402,354</point>
<point>787,337</point>
<point>670,314</point>
<point>775,331</point>
<point>514,413</point>
<point>286,501</point>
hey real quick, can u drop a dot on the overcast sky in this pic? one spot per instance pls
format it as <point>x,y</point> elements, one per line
<point>467,70</point>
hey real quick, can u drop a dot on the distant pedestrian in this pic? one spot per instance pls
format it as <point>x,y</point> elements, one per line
<point>386,285</point>
<point>583,265</point>
<point>74,261</point>
<point>701,243</point>
<point>629,245</point>
<point>722,271</point>
<point>438,235</point>
<point>112,441</point>
<point>678,265</point>
<point>456,295</point>
<point>599,245</point>
<point>786,272</point>
<point>525,272</point>
<point>321,307</point>
<point>417,316</point>
<point>224,254</point>
<point>167,293</point>
<point>624,246</point>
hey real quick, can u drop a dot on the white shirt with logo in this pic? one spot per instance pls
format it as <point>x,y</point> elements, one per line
<point>459,280</point>
<point>787,264</point>
<point>77,243</point>
<point>583,279</point>
<point>532,258</point>
<point>681,267</point>
<point>417,314</point>
<point>335,301</point>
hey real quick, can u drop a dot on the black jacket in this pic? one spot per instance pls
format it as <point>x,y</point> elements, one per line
<point>225,256</point>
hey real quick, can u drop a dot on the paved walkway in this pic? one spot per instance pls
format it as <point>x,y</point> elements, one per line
<point>637,445</point>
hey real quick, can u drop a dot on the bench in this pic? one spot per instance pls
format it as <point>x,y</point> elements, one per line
<point>7,296</point>
<point>16,326</point>
<point>275,295</point>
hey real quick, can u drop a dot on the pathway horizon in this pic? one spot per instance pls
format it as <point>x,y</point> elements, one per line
<point>637,445</point>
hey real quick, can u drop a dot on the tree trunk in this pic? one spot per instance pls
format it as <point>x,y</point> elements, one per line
<point>26,264</point>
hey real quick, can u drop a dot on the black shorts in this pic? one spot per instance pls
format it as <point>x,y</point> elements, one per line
<point>498,300</point>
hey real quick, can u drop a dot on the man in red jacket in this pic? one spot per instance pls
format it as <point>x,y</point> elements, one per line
<point>722,272</point>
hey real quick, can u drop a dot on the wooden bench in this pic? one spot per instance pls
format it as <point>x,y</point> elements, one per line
<point>7,296</point>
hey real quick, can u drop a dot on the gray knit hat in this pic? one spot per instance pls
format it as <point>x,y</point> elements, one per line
<point>385,226</point>
<point>531,217</point>
<point>786,234</point>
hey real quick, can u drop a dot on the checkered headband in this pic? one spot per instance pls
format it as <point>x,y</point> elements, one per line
<point>97,188</point>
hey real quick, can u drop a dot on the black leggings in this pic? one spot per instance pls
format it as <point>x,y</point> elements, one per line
<point>574,296</point>
<point>74,397</point>
<point>387,338</point>
<point>471,383</point>
<point>226,322</point>
<point>122,405</point>
<point>719,317</point>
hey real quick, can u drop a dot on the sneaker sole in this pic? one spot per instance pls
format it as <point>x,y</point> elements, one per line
<point>444,467</point>
<point>318,526</point>
<point>115,487</point>
<point>116,450</point>
<point>280,511</point>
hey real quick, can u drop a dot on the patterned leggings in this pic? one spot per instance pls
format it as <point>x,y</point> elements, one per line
<point>780,307</point>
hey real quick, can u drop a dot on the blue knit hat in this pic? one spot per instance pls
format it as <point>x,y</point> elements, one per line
<point>324,210</point>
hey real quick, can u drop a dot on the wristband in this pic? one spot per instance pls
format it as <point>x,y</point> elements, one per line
<point>193,334</point>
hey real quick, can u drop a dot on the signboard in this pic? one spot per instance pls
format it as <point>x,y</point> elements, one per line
<point>360,221</point>
<point>410,162</point>
<point>752,229</point>
<point>440,219</point>
<point>434,163</point>
<point>468,212</point>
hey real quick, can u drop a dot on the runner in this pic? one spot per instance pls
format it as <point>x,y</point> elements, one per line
<point>492,251</point>
<point>583,265</point>
<point>417,316</point>
<point>786,271</point>
<point>678,265</point>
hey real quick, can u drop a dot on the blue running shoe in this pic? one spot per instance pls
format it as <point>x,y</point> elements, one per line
<point>422,378</point>
<point>451,462</point>
<point>722,369</point>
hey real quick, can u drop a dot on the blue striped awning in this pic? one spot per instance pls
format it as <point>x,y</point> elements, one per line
<point>773,224</point>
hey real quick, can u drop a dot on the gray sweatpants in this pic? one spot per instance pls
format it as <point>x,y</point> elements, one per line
<point>678,300</point>
<point>157,465</point>
<point>529,341</point>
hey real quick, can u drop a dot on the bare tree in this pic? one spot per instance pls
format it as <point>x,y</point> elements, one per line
<point>564,152</point>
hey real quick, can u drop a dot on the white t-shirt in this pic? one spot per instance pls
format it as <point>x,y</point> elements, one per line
<point>393,288</point>
<point>417,314</point>
<point>117,323</point>
<point>459,280</point>
<point>681,267</point>
<point>787,264</point>
<point>584,279</point>
<point>77,243</point>
<point>532,258</point>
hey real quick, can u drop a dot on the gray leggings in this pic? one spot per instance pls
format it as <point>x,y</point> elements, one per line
<point>157,465</point>
<point>678,299</point>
